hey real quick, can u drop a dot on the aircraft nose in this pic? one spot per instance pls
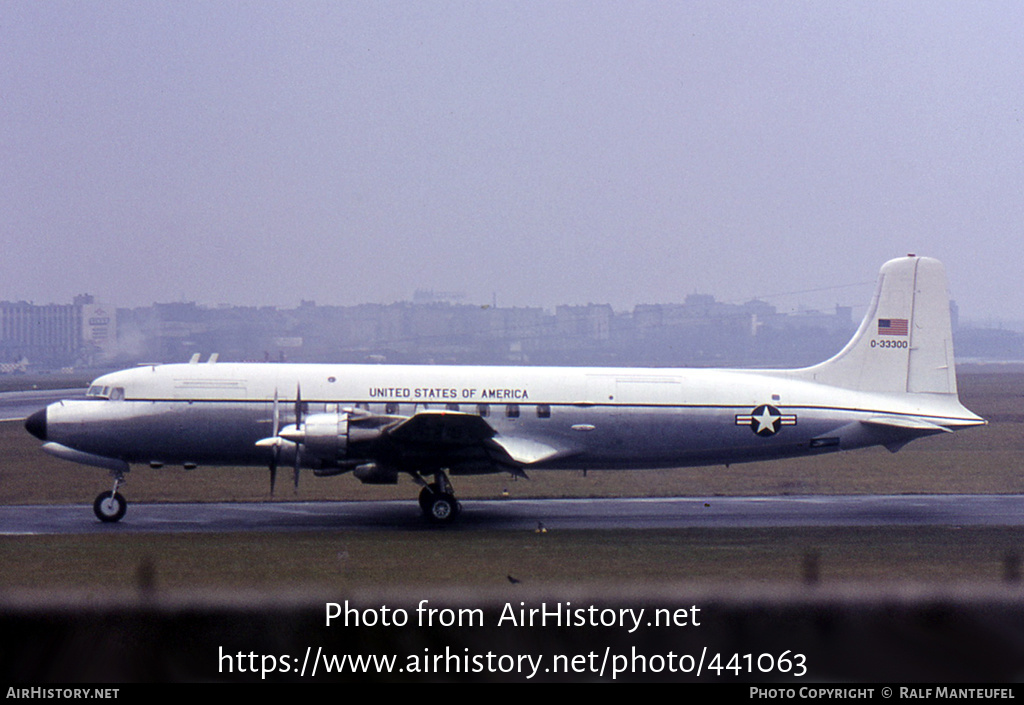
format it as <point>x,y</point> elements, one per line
<point>36,424</point>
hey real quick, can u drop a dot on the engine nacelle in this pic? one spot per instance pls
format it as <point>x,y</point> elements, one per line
<point>330,437</point>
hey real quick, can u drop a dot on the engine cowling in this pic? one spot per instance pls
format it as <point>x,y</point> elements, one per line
<point>330,437</point>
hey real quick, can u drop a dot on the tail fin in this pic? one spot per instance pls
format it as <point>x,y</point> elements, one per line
<point>905,342</point>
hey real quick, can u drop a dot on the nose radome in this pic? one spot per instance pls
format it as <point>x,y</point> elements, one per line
<point>36,424</point>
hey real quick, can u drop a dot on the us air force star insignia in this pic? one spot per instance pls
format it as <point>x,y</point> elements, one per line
<point>765,420</point>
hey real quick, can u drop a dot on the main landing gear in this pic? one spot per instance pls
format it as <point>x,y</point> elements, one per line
<point>111,506</point>
<point>437,500</point>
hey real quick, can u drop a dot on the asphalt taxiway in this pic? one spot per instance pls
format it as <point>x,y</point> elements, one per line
<point>15,406</point>
<point>523,514</point>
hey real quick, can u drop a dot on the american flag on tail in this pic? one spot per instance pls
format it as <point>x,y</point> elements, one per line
<point>892,326</point>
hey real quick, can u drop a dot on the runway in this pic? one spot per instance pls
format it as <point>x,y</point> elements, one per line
<point>15,406</point>
<point>530,515</point>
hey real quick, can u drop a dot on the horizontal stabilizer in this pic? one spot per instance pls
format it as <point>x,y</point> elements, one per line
<point>908,429</point>
<point>906,423</point>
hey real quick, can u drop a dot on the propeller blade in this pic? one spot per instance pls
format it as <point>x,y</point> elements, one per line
<point>298,427</point>
<point>277,413</point>
<point>273,468</point>
<point>276,450</point>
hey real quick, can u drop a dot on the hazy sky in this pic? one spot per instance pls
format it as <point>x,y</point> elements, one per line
<point>546,152</point>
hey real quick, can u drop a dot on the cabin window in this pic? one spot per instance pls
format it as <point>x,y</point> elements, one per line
<point>543,411</point>
<point>483,410</point>
<point>512,411</point>
<point>117,393</point>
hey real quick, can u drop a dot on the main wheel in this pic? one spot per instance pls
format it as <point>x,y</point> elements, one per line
<point>109,506</point>
<point>443,508</point>
<point>427,495</point>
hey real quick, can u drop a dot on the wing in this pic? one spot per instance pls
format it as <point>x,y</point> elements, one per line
<point>464,443</point>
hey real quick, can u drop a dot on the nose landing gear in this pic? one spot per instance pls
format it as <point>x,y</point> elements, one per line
<point>111,506</point>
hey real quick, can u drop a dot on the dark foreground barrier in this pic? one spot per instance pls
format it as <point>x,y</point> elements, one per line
<point>724,634</point>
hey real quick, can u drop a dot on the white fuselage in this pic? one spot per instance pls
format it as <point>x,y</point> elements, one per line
<point>591,417</point>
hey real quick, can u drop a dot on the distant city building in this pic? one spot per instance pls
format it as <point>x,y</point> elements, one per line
<point>99,330</point>
<point>48,335</point>
<point>429,296</point>
<point>698,332</point>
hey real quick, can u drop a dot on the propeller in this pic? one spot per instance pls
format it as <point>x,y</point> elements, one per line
<point>275,453</point>
<point>292,433</point>
<point>298,426</point>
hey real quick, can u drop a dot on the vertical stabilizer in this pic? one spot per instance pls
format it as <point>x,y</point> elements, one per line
<point>905,342</point>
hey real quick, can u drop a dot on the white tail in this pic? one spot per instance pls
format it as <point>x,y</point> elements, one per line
<point>905,342</point>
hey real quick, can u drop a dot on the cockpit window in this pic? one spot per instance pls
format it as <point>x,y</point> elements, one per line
<point>97,391</point>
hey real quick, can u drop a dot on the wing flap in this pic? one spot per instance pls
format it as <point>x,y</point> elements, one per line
<point>524,450</point>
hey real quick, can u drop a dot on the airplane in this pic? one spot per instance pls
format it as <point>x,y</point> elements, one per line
<point>894,382</point>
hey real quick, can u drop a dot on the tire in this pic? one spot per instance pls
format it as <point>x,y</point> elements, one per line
<point>109,507</point>
<point>443,509</point>
<point>427,495</point>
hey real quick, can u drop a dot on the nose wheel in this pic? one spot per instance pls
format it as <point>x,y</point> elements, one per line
<point>110,506</point>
